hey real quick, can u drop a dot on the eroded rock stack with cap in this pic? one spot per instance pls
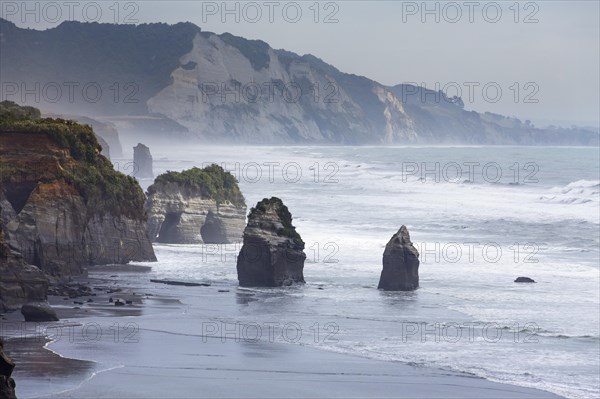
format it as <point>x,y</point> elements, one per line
<point>273,252</point>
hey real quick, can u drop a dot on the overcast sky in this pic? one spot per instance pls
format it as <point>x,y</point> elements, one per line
<point>544,51</point>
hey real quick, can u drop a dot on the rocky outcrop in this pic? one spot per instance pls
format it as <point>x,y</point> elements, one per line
<point>524,280</point>
<point>38,312</point>
<point>273,252</point>
<point>55,232</point>
<point>142,161</point>
<point>7,384</point>
<point>19,282</point>
<point>400,264</point>
<point>62,205</point>
<point>196,206</point>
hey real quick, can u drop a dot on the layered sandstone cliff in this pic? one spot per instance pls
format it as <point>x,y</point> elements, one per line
<point>196,206</point>
<point>62,205</point>
<point>19,282</point>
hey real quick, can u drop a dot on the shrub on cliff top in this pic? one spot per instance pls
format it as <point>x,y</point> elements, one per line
<point>104,189</point>
<point>211,182</point>
<point>10,110</point>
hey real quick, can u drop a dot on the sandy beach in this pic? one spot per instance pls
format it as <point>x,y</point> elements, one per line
<point>157,347</point>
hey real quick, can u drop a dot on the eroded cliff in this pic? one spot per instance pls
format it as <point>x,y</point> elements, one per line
<point>196,206</point>
<point>63,206</point>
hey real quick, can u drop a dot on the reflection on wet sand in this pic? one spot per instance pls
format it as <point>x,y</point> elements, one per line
<point>37,366</point>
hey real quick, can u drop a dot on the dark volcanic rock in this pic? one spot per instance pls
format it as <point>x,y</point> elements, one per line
<point>524,280</point>
<point>400,264</point>
<point>7,384</point>
<point>273,252</point>
<point>38,312</point>
<point>142,159</point>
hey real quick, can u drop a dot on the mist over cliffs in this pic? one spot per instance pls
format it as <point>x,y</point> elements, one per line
<point>176,82</point>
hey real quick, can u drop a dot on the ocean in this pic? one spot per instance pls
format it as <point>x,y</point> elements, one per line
<point>479,216</point>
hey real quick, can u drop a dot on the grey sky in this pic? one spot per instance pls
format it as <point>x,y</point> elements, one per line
<point>553,59</point>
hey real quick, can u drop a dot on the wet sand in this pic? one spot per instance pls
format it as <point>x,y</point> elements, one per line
<point>158,347</point>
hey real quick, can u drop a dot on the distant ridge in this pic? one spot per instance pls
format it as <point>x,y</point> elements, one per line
<point>178,82</point>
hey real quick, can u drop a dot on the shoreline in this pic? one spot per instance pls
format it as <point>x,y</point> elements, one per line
<point>111,351</point>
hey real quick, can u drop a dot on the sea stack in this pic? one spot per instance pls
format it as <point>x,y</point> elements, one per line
<point>142,160</point>
<point>196,206</point>
<point>7,384</point>
<point>400,264</point>
<point>273,252</point>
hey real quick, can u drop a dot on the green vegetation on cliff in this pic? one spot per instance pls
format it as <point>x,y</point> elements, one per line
<point>211,182</point>
<point>104,190</point>
<point>11,111</point>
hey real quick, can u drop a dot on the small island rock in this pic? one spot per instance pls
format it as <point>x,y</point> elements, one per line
<point>142,159</point>
<point>400,264</point>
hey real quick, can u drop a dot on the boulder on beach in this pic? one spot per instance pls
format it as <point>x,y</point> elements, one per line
<point>400,264</point>
<point>273,252</point>
<point>119,302</point>
<point>142,160</point>
<point>38,312</point>
<point>7,384</point>
<point>524,280</point>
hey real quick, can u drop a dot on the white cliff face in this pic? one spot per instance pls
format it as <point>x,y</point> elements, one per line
<point>177,218</point>
<point>398,126</point>
<point>218,93</point>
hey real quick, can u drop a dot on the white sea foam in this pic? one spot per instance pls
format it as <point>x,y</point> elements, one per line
<point>369,202</point>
